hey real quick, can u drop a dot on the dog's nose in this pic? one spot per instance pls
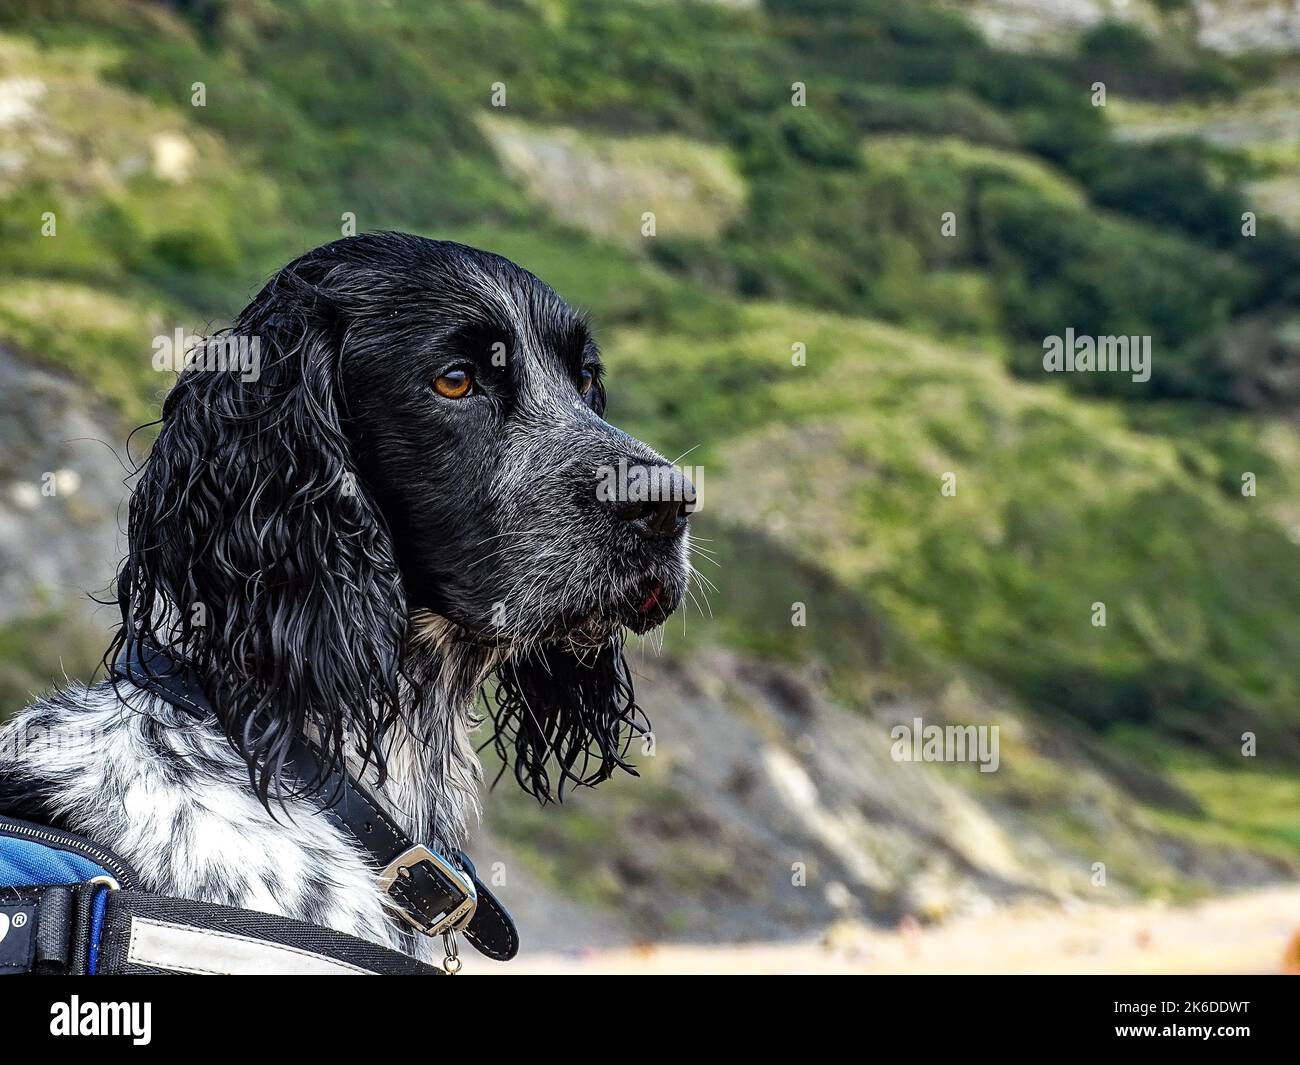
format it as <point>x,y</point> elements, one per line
<point>656,501</point>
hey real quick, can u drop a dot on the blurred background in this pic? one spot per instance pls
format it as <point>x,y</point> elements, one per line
<point>797,317</point>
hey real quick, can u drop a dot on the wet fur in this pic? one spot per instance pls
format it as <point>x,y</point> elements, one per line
<point>339,554</point>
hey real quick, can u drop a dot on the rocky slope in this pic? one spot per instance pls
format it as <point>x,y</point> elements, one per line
<point>770,810</point>
<point>1232,27</point>
<point>61,486</point>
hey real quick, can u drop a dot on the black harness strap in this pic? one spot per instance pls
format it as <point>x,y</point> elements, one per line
<point>432,892</point>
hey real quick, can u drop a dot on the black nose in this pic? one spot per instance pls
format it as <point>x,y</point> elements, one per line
<point>654,501</point>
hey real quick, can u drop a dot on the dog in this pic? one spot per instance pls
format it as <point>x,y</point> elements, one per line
<point>392,517</point>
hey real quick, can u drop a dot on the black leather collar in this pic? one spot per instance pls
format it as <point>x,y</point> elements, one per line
<point>428,888</point>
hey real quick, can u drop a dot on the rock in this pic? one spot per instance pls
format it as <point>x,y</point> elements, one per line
<point>61,486</point>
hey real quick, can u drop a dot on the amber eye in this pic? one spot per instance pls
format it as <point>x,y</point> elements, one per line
<point>587,380</point>
<point>455,384</point>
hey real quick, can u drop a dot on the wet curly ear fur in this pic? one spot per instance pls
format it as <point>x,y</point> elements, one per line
<point>571,712</point>
<point>256,556</point>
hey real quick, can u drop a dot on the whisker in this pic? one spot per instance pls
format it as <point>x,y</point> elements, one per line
<point>684,454</point>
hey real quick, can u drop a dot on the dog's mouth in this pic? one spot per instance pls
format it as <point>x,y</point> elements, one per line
<point>640,607</point>
<point>654,590</point>
<point>650,604</point>
<point>647,605</point>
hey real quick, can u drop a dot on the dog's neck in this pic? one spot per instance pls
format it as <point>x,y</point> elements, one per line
<point>433,774</point>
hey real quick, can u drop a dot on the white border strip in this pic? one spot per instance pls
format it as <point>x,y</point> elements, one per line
<point>185,949</point>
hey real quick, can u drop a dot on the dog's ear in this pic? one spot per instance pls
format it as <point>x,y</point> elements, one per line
<point>257,557</point>
<point>571,713</point>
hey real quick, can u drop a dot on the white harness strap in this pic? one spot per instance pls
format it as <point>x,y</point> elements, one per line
<point>186,949</point>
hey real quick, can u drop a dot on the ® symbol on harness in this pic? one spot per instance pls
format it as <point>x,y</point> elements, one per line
<point>20,919</point>
<point>17,943</point>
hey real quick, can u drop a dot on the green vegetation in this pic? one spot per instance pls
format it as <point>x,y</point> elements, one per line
<point>1059,504</point>
<point>41,651</point>
<point>1154,246</point>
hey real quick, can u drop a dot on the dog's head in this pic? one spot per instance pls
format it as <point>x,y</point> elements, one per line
<point>474,403</point>
<point>402,437</point>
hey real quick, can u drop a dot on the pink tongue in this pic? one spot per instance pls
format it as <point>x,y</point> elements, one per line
<point>652,598</point>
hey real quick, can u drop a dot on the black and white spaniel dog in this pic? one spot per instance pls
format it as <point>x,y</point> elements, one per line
<point>395,514</point>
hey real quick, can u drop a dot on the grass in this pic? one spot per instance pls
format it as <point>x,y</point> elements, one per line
<point>1256,808</point>
<point>47,648</point>
<point>102,338</point>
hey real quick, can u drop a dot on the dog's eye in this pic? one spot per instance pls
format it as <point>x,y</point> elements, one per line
<point>587,379</point>
<point>454,384</point>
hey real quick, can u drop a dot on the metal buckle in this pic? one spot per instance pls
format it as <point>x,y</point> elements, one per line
<point>460,915</point>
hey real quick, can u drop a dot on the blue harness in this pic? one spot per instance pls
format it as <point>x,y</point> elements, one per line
<point>36,856</point>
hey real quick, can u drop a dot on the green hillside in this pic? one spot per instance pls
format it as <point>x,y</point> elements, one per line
<point>777,226</point>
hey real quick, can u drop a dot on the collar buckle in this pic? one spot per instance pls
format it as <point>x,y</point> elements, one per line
<point>421,874</point>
